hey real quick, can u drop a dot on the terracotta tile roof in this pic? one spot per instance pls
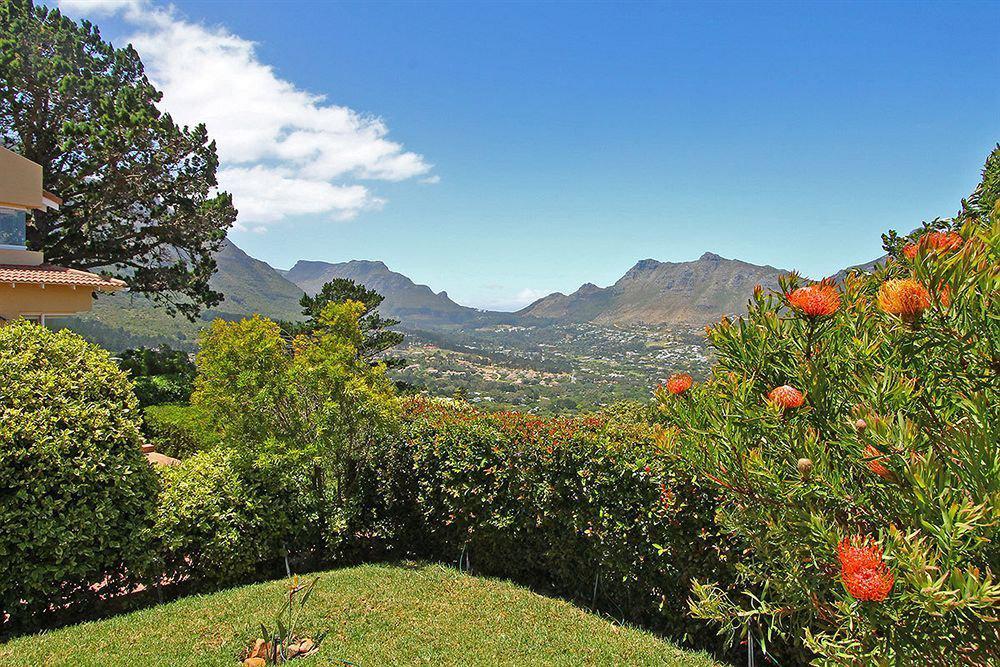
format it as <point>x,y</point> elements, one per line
<point>48,274</point>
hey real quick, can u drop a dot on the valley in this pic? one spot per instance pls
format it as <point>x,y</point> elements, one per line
<point>552,367</point>
<point>563,352</point>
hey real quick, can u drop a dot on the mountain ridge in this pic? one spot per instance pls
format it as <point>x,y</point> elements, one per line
<point>405,300</point>
<point>655,292</point>
<point>249,286</point>
<point>696,292</point>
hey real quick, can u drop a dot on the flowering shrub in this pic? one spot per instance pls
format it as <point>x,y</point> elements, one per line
<point>578,506</point>
<point>852,439</point>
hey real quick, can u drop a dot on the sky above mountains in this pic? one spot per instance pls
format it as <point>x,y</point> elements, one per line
<point>509,151</point>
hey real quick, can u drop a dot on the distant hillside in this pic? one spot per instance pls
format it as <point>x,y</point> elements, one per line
<point>866,267</point>
<point>653,292</point>
<point>250,286</point>
<point>412,304</point>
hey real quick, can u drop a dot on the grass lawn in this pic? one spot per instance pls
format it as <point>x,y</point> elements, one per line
<point>376,615</point>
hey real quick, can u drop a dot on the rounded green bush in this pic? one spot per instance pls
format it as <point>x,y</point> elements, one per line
<point>223,516</point>
<point>76,493</point>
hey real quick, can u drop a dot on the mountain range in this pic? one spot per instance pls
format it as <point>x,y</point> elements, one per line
<point>651,292</point>
<point>123,320</point>
<point>412,304</point>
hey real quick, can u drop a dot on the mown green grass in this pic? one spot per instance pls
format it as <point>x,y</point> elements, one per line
<point>375,615</point>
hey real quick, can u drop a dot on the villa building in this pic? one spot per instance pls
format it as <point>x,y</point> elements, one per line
<point>29,287</point>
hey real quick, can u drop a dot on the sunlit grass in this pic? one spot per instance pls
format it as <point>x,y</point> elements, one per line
<point>375,615</point>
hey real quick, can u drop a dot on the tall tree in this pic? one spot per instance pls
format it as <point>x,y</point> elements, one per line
<point>316,401</point>
<point>138,190</point>
<point>376,330</point>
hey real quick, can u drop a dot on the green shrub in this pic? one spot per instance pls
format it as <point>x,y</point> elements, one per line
<point>179,430</point>
<point>76,493</point>
<point>223,518</point>
<point>868,494</point>
<point>575,506</point>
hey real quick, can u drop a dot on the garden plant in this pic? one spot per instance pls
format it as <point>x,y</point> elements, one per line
<point>77,497</point>
<point>851,434</point>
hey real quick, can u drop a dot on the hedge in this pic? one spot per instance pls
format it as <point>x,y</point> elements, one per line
<point>588,508</point>
<point>223,518</point>
<point>76,493</point>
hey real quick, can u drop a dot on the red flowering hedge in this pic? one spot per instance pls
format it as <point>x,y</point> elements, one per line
<point>577,506</point>
<point>852,435</point>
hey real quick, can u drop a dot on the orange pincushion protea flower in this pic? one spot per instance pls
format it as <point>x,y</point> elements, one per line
<point>862,569</point>
<point>904,297</point>
<point>815,300</point>
<point>874,460</point>
<point>786,397</point>
<point>936,242</point>
<point>678,383</point>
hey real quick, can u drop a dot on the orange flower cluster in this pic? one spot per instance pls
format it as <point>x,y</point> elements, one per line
<point>535,429</point>
<point>935,242</point>
<point>874,460</point>
<point>678,383</point>
<point>786,397</point>
<point>904,297</point>
<point>862,569</point>
<point>816,300</point>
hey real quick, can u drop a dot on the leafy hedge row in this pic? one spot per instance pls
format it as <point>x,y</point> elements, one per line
<point>583,507</point>
<point>590,508</point>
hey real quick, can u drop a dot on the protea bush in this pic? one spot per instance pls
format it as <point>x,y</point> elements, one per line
<point>853,434</point>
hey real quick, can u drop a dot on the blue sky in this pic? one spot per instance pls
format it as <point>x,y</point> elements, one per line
<point>506,151</point>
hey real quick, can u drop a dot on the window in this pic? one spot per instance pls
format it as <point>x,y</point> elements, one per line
<point>12,224</point>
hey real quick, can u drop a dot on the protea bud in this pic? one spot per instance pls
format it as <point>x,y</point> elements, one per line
<point>805,467</point>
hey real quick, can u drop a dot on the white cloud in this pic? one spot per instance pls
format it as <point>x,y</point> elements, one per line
<point>268,194</point>
<point>284,151</point>
<point>101,7</point>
